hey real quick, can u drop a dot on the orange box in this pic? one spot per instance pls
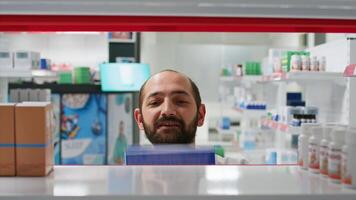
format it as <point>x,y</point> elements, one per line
<point>7,139</point>
<point>34,150</point>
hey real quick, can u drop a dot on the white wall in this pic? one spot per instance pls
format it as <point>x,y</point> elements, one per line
<point>287,40</point>
<point>202,55</point>
<point>74,49</point>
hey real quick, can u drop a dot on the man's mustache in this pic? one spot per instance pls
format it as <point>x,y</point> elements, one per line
<point>168,119</point>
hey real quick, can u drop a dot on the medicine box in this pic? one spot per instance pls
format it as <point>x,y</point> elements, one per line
<point>34,149</point>
<point>26,60</point>
<point>170,155</point>
<point>6,60</point>
<point>7,139</point>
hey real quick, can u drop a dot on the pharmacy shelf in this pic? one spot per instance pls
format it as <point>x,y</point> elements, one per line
<point>278,126</point>
<point>302,76</point>
<point>59,88</point>
<point>251,78</point>
<point>251,113</point>
<point>175,182</point>
<point>43,73</point>
<point>27,73</point>
<point>290,76</point>
<point>8,74</point>
<point>16,73</point>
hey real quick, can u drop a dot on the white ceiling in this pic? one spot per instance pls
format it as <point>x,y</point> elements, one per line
<point>331,9</point>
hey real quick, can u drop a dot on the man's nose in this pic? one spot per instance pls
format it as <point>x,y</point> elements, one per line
<point>168,109</point>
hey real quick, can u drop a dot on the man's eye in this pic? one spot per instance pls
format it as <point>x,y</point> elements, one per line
<point>153,103</point>
<point>182,102</point>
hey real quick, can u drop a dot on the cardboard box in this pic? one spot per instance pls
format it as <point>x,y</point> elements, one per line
<point>34,149</point>
<point>7,139</point>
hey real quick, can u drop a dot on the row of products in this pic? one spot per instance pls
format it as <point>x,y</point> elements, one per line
<point>26,139</point>
<point>329,150</point>
<point>296,116</point>
<point>298,61</point>
<point>22,60</point>
<point>254,105</point>
<point>81,75</point>
<point>249,68</point>
<point>296,113</point>
<point>306,63</point>
<point>21,95</point>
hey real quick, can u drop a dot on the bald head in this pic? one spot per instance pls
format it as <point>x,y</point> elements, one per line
<point>168,76</point>
<point>170,108</point>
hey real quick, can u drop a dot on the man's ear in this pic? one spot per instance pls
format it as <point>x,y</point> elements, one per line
<point>138,118</point>
<point>201,114</point>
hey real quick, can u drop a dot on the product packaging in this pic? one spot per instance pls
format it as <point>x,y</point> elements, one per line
<point>7,139</point>
<point>34,149</point>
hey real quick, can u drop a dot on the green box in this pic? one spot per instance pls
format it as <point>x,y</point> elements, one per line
<point>65,78</point>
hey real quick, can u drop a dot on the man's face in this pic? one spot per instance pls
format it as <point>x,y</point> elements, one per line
<point>169,113</point>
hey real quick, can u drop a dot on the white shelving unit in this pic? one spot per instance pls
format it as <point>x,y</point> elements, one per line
<point>172,182</point>
<point>290,76</point>
<point>6,75</point>
<point>329,90</point>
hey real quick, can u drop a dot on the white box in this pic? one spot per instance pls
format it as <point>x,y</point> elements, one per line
<point>33,95</point>
<point>15,95</point>
<point>26,60</point>
<point>6,60</point>
<point>24,95</point>
<point>44,95</point>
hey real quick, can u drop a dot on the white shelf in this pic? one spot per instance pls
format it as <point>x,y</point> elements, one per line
<point>290,76</point>
<point>303,76</point>
<point>16,73</point>
<point>251,78</point>
<point>251,113</point>
<point>43,73</point>
<point>278,126</point>
<point>174,182</point>
<point>27,73</point>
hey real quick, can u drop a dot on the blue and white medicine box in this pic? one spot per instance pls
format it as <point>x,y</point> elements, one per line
<point>170,155</point>
<point>120,77</point>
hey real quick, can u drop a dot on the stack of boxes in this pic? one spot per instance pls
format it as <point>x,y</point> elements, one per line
<point>21,95</point>
<point>25,139</point>
<point>20,60</point>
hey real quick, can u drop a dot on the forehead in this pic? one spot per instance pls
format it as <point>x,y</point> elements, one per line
<point>166,83</point>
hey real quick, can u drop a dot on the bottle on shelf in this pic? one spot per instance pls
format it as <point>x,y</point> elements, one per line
<point>334,155</point>
<point>324,148</point>
<point>314,146</point>
<point>348,159</point>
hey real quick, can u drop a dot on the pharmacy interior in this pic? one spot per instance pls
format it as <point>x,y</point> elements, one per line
<point>279,95</point>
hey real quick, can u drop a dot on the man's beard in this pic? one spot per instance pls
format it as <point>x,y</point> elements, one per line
<point>176,135</point>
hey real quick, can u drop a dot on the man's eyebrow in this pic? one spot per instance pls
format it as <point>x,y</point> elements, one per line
<point>176,92</point>
<point>155,94</point>
<point>180,92</point>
